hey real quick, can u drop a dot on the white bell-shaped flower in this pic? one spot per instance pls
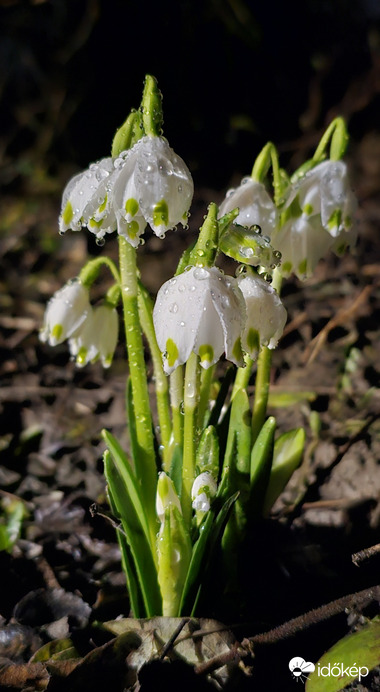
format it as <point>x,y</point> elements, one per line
<point>154,187</point>
<point>65,312</point>
<point>325,191</point>
<point>302,242</point>
<point>203,491</point>
<point>97,337</point>
<point>255,206</point>
<point>166,495</point>
<point>266,315</point>
<point>148,184</point>
<point>200,310</point>
<point>87,202</point>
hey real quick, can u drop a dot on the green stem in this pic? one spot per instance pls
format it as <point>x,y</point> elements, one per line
<point>204,396</point>
<point>337,133</point>
<point>146,462</point>
<point>161,380</point>
<point>269,157</point>
<point>176,402</point>
<point>259,410</point>
<point>242,376</point>
<point>191,399</point>
<point>89,273</point>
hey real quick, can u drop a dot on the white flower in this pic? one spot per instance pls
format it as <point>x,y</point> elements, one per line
<point>148,184</point>
<point>65,312</point>
<point>322,220</point>
<point>325,191</point>
<point>266,315</point>
<point>97,337</point>
<point>154,186</point>
<point>166,495</point>
<point>302,242</point>
<point>200,310</point>
<point>255,205</point>
<point>86,200</point>
<point>203,490</point>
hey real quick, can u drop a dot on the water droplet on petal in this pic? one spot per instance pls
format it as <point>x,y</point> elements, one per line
<point>173,308</point>
<point>100,242</point>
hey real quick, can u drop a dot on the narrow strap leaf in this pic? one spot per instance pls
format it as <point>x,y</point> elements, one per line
<point>141,553</point>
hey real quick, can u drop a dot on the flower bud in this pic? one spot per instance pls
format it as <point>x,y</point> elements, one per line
<point>203,490</point>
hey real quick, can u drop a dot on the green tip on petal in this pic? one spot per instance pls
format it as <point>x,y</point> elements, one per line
<point>56,332</point>
<point>132,206</point>
<point>133,229</point>
<point>335,219</point>
<point>308,209</point>
<point>67,213</point>
<point>82,356</point>
<point>253,340</point>
<point>172,352</point>
<point>206,353</point>
<point>103,205</point>
<point>286,267</point>
<point>302,267</point>
<point>237,352</point>
<point>161,214</point>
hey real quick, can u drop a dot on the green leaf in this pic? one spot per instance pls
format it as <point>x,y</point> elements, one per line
<point>174,554</point>
<point>284,399</point>
<point>175,471</point>
<point>355,655</point>
<point>247,245</point>
<point>236,461</point>
<point>132,486</point>
<point>207,455</point>
<point>134,591</point>
<point>137,540</point>
<point>210,534</point>
<point>287,456</point>
<point>222,395</point>
<point>261,462</point>
<point>131,419</point>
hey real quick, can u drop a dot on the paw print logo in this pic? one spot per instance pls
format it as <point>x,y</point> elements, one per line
<point>300,668</point>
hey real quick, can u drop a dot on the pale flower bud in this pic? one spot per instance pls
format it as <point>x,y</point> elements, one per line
<point>166,495</point>
<point>203,491</point>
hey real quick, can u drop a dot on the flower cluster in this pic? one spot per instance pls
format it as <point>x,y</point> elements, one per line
<point>91,331</point>
<point>204,311</point>
<point>147,184</point>
<point>317,216</point>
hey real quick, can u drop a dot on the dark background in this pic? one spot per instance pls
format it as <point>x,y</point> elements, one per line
<point>234,73</point>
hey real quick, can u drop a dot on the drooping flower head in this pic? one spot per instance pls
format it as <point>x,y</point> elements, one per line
<point>320,210</point>
<point>147,184</point>
<point>266,315</point>
<point>200,310</point>
<point>97,337</point>
<point>254,203</point>
<point>65,313</point>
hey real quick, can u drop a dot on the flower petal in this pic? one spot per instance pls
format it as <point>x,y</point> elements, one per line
<point>255,206</point>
